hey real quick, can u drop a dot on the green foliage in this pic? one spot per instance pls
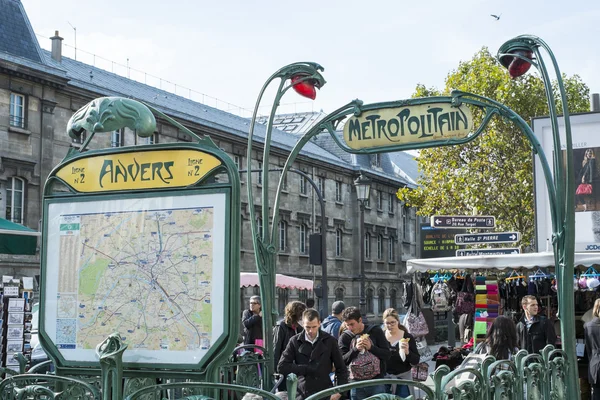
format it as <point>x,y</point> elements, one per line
<point>493,174</point>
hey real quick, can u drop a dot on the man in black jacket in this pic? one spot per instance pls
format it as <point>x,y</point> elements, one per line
<point>360,338</point>
<point>534,331</point>
<point>252,322</point>
<point>310,355</point>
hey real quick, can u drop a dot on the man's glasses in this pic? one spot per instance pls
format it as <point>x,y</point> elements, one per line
<point>254,302</point>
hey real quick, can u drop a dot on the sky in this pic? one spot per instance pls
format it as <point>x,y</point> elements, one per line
<point>371,50</point>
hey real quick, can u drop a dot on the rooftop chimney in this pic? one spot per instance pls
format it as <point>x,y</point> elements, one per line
<point>56,47</point>
<point>595,102</point>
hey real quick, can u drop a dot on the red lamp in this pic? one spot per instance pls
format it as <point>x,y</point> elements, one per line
<point>304,87</point>
<point>519,66</point>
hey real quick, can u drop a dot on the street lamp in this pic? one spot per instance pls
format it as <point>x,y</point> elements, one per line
<point>363,191</point>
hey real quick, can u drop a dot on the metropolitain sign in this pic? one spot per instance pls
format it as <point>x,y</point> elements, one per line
<point>412,124</point>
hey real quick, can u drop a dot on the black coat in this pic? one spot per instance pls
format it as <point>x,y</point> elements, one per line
<point>252,327</point>
<point>312,363</point>
<point>380,347</point>
<point>592,349</point>
<point>395,365</point>
<point>540,333</point>
<point>282,334</point>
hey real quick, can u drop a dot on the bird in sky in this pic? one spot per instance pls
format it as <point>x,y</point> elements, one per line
<point>496,16</point>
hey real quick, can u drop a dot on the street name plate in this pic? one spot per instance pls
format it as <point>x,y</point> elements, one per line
<point>463,221</point>
<point>487,252</point>
<point>492,237</point>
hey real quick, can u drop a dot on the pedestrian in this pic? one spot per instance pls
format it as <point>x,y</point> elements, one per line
<point>534,331</point>
<point>501,339</point>
<point>311,355</point>
<point>284,330</point>
<point>252,322</point>
<point>592,349</point>
<point>404,353</point>
<point>310,303</point>
<point>365,350</point>
<point>332,323</point>
<point>585,180</point>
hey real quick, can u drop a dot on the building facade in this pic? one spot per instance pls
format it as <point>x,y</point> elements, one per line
<point>40,90</point>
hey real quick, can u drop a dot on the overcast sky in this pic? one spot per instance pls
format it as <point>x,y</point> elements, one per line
<point>371,50</point>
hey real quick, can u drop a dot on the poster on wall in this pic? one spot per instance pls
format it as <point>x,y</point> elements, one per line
<point>151,269</point>
<point>585,130</point>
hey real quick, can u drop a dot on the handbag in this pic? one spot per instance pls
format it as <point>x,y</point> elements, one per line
<point>415,321</point>
<point>420,372</point>
<point>365,366</point>
<point>584,188</point>
<point>465,302</point>
<point>425,353</point>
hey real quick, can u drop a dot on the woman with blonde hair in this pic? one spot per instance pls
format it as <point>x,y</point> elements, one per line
<point>284,330</point>
<point>585,179</point>
<point>404,351</point>
<point>592,348</point>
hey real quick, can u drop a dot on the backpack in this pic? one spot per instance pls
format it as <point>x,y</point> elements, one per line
<point>365,366</point>
<point>440,297</point>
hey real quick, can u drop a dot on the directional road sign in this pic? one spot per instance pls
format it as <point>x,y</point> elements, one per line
<point>463,221</point>
<point>492,237</point>
<point>487,252</point>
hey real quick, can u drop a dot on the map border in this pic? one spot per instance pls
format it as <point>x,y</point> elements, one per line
<point>55,208</point>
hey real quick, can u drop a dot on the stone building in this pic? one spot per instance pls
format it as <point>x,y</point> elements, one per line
<point>40,90</point>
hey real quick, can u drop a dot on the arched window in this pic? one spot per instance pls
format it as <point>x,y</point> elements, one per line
<point>381,301</point>
<point>259,226</point>
<point>338,242</point>
<point>391,249</point>
<point>367,246</point>
<point>282,235</point>
<point>303,234</point>
<point>339,294</point>
<point>379,247</point>
<point>282,299</point>
<point>393,299</point>
<point>15,198</point>
<point>369,299</point>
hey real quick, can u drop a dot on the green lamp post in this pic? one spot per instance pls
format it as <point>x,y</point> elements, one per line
<point>304,78</point>
<point>518,55</point>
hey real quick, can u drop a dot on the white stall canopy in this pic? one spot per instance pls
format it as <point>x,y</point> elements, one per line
<point>526,260</point>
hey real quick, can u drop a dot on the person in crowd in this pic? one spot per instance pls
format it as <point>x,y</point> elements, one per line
<point>585,180</point>
<point>404,352</point>
<point>534,331</point>
<point>332,323</point>
<point>252,322</point>
<point>359,339</point>
<point>501,339</point>
<point>284,330</point>
<point>592,348</point>
<point>311,355</point>
<point>310,303</point>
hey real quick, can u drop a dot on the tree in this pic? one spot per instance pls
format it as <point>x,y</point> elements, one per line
<point>492,174</point>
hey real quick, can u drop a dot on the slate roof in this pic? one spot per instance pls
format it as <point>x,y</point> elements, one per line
<point>16,35</point>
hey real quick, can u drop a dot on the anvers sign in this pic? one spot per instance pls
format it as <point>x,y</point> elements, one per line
<point>408,125</point>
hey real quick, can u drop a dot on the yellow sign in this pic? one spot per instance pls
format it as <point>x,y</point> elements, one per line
<point>138,170</point>
<point>407,125</point>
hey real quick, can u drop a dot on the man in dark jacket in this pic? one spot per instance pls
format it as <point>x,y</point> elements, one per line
<point>534,331</point>
<point>252,321</point>
<point>310,355</point>
<point>332,323</point>
<point>360,338</point>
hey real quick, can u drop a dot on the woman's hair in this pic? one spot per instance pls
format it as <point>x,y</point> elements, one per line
<point>293,312</point>
<point>390,312</point>
<point>343,328</point>
<point>585,158</point>
<point>502,338</point>
<point>596,311</point>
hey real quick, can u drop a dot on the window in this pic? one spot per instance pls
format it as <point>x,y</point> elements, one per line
<point>259,227</point>
<point>391,201</point>
<point>17,110</point>
<point>370,301</point>
<point>282,299</point>
<point>303,295</point>
<point>381,301</point>
<point>379,247</point>
<point>321,185</point>
<point>338,242</point>
<point>391,250</point>
<point>116,138</point>
<point>338,191</point>
<point>282,235</point>
<point>150,139</point>
<point>379,200</point>
<point>237,160</point>
<point>15,198</point>
<point>377,160</point>
<point>303,235</point>
<point>260,167</point>
<point>284,182</point>
<point>256,290</point>
<point>367,246</point>
<point>302,184</point>
<point>406,222</point>
<point>393,299</point>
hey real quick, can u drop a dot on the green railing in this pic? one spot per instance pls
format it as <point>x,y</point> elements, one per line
<point>527,377</point>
